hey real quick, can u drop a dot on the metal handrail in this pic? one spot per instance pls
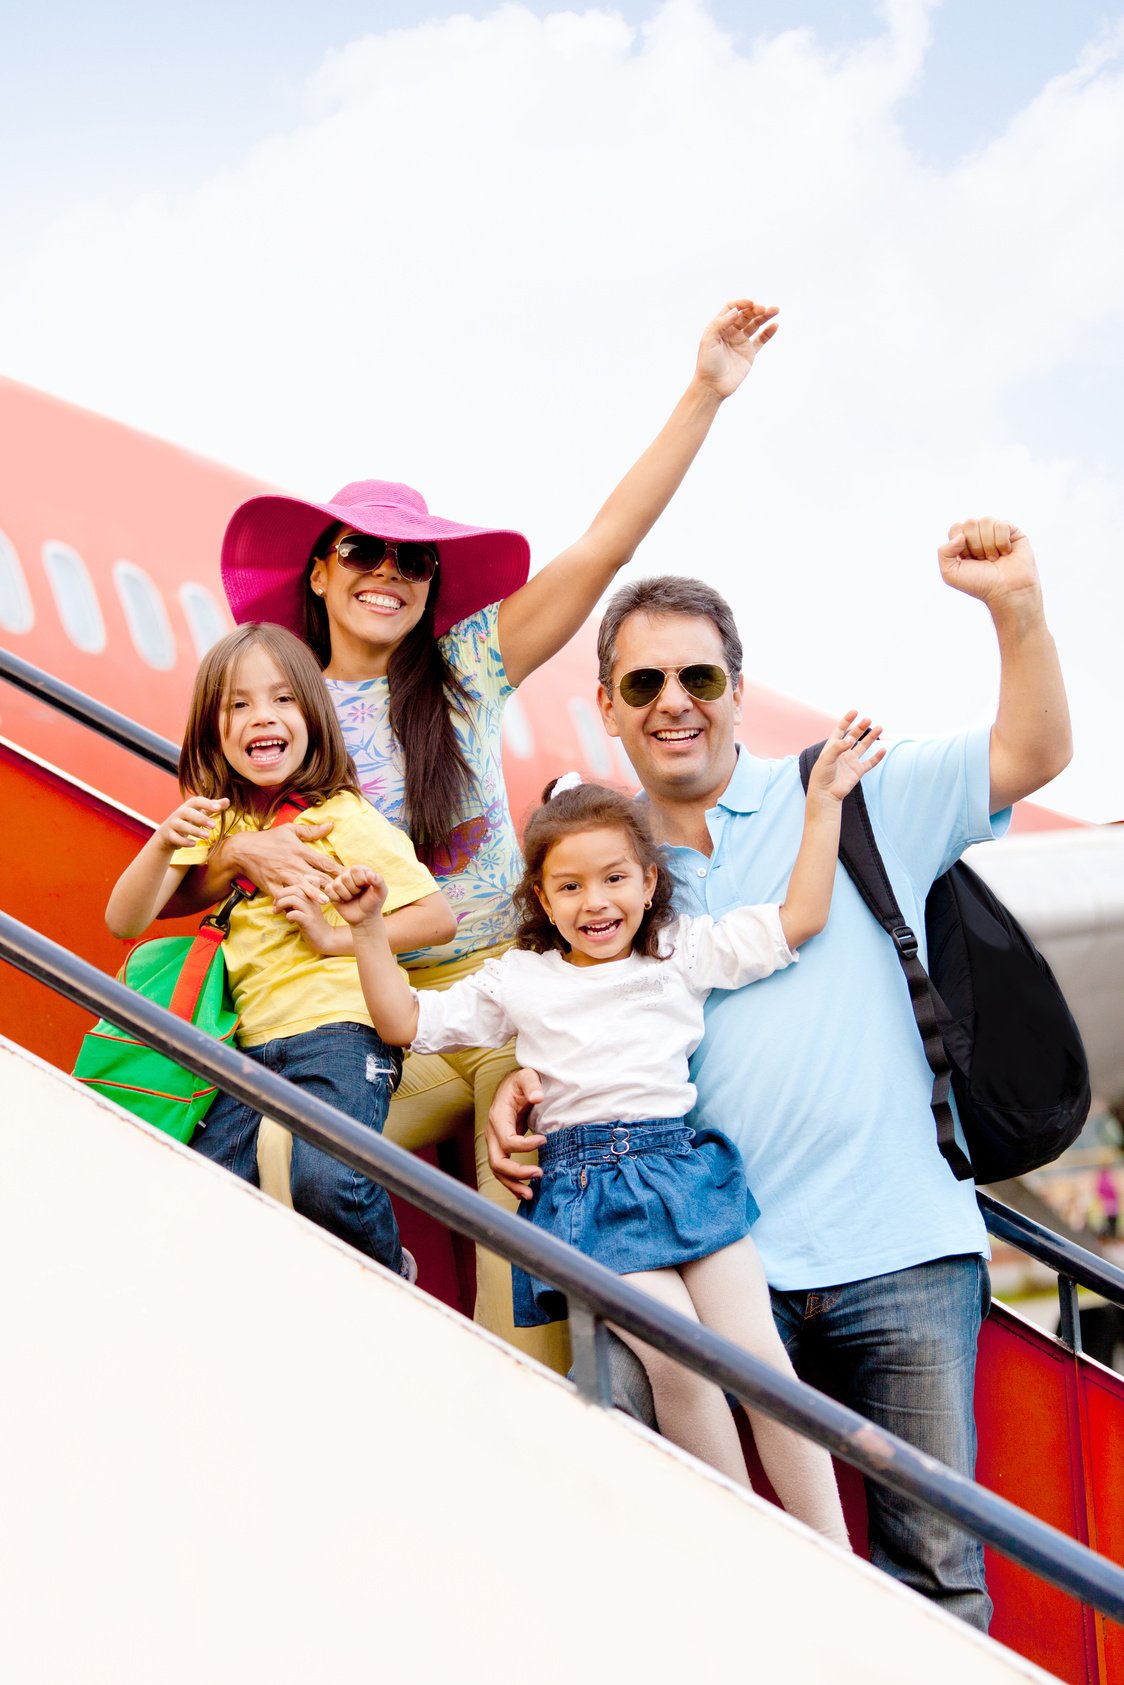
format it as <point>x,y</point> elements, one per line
<point>149,745</point>
<point>1076,1267</point>
<point>878,1454</point>
<point>595,1293</point>
<point>1063,1256</point>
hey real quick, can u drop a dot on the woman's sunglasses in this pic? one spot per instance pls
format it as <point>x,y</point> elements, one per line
<point>362,554</point>
<point>643,685</point>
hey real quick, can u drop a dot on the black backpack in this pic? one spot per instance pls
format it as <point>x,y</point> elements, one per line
<point>991,1017</point>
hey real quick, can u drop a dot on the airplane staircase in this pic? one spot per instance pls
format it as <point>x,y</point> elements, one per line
<point>239,1451</point>
<point>1050,1419</point>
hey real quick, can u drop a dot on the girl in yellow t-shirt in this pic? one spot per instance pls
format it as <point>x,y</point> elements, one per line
<point>261,729</point>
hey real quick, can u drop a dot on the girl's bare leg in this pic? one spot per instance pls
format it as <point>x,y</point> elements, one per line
<point>690,1411</point>
<point>730,1295</point>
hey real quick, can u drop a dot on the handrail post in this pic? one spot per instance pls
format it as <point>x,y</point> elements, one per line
<point>1069,1320</point>
<point>590,1350</point>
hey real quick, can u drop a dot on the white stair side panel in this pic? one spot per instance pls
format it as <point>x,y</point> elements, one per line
<point>233,1450</point>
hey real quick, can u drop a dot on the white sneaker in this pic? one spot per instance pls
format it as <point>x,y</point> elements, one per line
<point>409,1270</point>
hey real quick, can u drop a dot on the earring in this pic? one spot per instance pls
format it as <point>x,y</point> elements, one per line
<point>319,591</point>
<point>647,906</point>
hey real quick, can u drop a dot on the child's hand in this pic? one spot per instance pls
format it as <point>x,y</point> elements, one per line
<point>732,341</point>
<point>191,823</point>
<point>302,905</point>
<point>359,894</point>
<point>845,758</point>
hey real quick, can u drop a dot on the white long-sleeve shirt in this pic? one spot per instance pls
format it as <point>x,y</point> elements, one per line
<point>610,1041</point>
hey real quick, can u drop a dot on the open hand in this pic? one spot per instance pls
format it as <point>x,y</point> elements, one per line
<point>277,858</point>
<point>988,559</point>
<point>358,893</point>
<point>191,823</point>
<point>732,341</point>
<point>847,756</point>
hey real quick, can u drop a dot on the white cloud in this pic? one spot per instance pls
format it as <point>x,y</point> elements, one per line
<point>480,264</point>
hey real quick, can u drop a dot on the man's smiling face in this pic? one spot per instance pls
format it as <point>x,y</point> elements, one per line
<point>682,749</point>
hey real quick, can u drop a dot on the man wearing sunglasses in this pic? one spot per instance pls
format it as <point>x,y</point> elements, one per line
<point>874,1252</point>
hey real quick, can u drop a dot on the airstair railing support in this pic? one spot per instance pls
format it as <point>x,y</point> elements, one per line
<point>595,1292</point>
<point>1069,1315</point>
<point>149,745</point>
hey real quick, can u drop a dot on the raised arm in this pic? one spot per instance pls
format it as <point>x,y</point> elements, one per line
<point>536,621</point>
<point>847,756</point>
<point>1031,740</point>
<point>359,893</point>
<point>148,883</point>
<point>425,923</point>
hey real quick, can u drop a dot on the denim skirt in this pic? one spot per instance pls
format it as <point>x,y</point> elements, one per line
<point>635,1196</point>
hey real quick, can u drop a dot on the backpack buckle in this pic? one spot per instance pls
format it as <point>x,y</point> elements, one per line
<point>240,890</point>
<point>905,941</point>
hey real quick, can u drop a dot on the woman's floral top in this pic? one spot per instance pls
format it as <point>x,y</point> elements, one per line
<point>482,865</point>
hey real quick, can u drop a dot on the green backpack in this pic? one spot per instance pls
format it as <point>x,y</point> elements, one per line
<point>187,975</point>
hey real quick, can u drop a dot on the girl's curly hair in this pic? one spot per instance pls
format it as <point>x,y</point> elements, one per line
<point>589,807</point>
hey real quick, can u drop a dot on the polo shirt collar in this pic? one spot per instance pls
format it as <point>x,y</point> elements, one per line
<point>746,789</point>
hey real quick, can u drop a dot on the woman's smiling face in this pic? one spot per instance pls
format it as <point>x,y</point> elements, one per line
<point>369,613</point>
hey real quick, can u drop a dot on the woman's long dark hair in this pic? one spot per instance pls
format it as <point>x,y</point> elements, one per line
<point>423,688</point>
<point>589,807</point>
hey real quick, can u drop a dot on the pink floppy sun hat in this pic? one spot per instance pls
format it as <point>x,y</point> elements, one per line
<point>269,540</point>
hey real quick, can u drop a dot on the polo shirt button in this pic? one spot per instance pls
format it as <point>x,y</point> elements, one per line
<point>702,871</point>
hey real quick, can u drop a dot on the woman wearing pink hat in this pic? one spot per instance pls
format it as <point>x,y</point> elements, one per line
<point>424,627</point>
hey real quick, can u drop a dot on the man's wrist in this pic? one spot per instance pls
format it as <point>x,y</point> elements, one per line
<point>1020,614</point>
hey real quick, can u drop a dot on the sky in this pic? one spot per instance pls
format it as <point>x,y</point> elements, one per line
<point>473,248</point>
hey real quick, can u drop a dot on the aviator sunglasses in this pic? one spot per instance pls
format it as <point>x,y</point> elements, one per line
<point>702,680</point>
<point>361,553</point>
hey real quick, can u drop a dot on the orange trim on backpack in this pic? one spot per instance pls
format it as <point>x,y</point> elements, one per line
<point>156,1093</point>
<point>122,1040</point>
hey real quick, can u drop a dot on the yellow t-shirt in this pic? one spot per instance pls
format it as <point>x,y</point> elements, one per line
<point>281,986</point>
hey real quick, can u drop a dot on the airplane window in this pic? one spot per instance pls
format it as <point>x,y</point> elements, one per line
<point>206,621</point>
<point>75,597</point>
<point>517,733</point>
<point>146,615</point>
<point>591,736</point>
<point>16,612</point>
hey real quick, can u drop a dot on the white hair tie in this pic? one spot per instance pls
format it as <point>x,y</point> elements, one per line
<point>568,781</point>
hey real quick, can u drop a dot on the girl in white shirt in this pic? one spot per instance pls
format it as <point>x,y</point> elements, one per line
<point>604,993</point>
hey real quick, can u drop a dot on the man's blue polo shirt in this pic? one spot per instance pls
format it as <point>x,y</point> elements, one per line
<point>817,1072</point>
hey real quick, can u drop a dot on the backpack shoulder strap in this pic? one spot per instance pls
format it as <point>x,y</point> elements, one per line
<point>864,864</point>
<point>242,889</point>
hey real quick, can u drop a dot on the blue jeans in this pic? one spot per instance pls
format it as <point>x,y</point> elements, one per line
<point>901,1350</point>
<point>348,1066</point>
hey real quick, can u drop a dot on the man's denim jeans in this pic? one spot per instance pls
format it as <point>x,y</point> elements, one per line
<point>348,1066</point>
<point>901,1350</point>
